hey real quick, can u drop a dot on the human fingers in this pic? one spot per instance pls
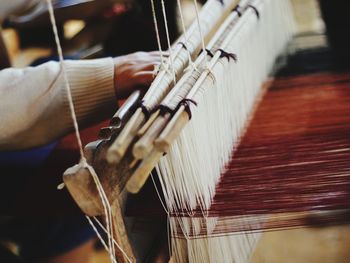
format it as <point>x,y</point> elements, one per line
<point>144,78</point>
<point>150,66</point>
<point>158,53</point>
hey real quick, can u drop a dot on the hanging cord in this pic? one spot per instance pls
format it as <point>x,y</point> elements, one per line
<point>83,161</point>
<point>157,35</point>
<point>99,236</point>
<point>115,242</point>
<point>168,41</point>
<point>200,32</point>
<point>65,79</point>
<point>185,35</point>
<point>107,211</point>
<point>74,119</point>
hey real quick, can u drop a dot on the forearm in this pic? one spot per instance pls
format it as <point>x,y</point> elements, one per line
<point>34,108</point>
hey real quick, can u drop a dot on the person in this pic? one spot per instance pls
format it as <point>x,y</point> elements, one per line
<point>34,111</point>
<point>34,99</point>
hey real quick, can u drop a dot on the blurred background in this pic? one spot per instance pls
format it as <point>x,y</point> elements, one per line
<point>96,28</point>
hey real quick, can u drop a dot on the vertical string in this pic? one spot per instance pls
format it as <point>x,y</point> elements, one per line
<point>200,31</point>
<point>107,211</point>
<point>115,243</point>
<point>159,196</point>
<point>157,34</point>
<point>99,236</point>
<point>168,41</point>
<point>105,202</point>
<point>185,32</point>
<point>65,78</point>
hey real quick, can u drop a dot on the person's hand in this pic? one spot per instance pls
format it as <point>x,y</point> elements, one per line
<point>135,71</point>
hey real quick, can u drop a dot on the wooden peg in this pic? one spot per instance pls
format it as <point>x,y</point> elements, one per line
<point>119,147</point>
<point>141,174</point>
<point>148,123</point>
<point>145,145</point>
<point>172,130</point>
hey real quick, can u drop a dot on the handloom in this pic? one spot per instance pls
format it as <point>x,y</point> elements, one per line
<point>223,178</point>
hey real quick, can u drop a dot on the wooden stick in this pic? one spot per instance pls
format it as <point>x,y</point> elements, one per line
<point>148,123</point>
<point>119,147</point>
<point>145,145</point>
<point>172,130</point>
<point>83,190</point>
<point>162,144</point>
<point>141,174</point>
<point>133,163</point>
<point>120,235</point>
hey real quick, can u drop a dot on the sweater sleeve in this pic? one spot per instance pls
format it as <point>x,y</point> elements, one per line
<point>34,108</point>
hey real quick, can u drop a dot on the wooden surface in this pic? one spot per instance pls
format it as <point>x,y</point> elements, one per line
<point>307,245</point>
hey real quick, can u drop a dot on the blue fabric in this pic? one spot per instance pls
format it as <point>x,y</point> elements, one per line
<point>42,238</point>
<point>46,238</point>
<point>32,157</point>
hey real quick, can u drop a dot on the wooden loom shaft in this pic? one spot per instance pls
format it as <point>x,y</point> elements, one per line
<point>83,190</point>
<point>141,174</point>
<point>145,144</point>
<point>120,145</point>
<point>79,182</point>
<point>148,123</point>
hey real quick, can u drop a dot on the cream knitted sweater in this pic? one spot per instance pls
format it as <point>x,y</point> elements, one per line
<point>34,108</point>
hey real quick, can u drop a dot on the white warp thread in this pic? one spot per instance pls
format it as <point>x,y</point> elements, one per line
<point>157,34</point>
<point>190,171</point>
<point>171,60</point>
